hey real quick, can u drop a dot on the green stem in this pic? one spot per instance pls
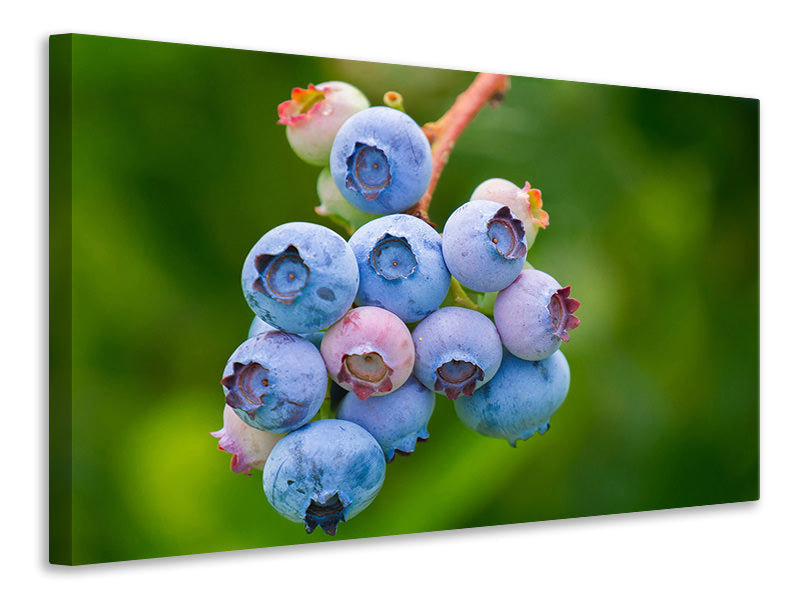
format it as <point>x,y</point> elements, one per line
<point>461,298</point>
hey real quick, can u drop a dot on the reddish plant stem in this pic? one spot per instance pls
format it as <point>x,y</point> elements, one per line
<point>442,134</point>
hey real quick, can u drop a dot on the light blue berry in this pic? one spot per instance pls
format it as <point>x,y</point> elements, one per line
<point>519,400</point>
<point>324,473</point>
<point>457,350</point>
<point>300,277</point>
<point>381,161</point>
<point>257,327</point>
<point>397,420</point>
<point>483,244</point>
<point>400,266</point>
<point>275,381</point>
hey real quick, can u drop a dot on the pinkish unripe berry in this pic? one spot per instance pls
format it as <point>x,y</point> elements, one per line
<point>314,115</point>
<point>369,351</point>
<point>249,446</point>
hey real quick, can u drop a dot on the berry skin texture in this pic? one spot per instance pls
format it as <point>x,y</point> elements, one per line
<point>534,315</point>
<point>257,327</point>
<point>381,161</point>
<point>400,266</point>
<point>314,115</point>
<point>324,473</point>
<point>369,352</point>
<point>249,446</point>
<point>524,202</point>
<point>457,351</point>
<point>519,400</point>
<point>483,244</point>
<point>300,277</point>
<point>397,420</point>
<point>275,381</point>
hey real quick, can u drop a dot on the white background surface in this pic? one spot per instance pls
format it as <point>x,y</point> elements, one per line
<point>732,48</point>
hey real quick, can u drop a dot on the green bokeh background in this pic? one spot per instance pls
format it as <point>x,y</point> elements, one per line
<point>178,167</point>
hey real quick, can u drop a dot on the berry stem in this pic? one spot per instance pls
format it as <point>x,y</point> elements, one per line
<point>442,134</point>
<point>460,298</point>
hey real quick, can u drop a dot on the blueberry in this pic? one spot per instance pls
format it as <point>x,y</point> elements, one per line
<point>534,315</point>
<point>400,266</point>
<point>249,446</point>
<point>483,244</point>
<point>313,116</point>
<point>369,351</point>
<point>519,400</point>
<point>457,351</point>
<point>275,381</point>
<point>397,420</point>
<point>324,473</point>
<point>300,277</point>
<point>381,161</point>
<point>524,202</point>
<point>257,327</point>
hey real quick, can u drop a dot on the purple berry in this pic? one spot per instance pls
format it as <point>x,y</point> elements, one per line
<point>324,473</point>
<point>534,315</point>
<point>483,244</point>
<point>397,420</point>
<point>381,161</point>
<point>275,381</point>
<point>313,116</point>
<point>300,277</point>
<point>457,351</point>
<point>400,266</point>
<point>519,400</point>
<point>369,352</point>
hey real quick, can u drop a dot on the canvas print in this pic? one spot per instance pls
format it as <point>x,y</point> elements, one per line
<point>298,299</point>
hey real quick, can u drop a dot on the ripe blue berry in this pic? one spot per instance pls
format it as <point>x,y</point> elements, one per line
<point>381,161</point>
<point>275,381</point>
<point>400,266</point>
<point>525,203</point>
<point>534,315</point>
<point>483,244</point>
<point>300,277</point>
<point>324,473</point>
<point>313,116</point>
<point>397,420</point>
<point>369,351</point>
<point>519,400</point>
<point>457,351</point>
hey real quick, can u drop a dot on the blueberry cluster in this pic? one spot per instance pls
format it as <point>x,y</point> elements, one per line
<point>352,339</point>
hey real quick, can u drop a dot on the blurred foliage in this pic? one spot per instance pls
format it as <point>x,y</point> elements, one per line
<point>179,167</point>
